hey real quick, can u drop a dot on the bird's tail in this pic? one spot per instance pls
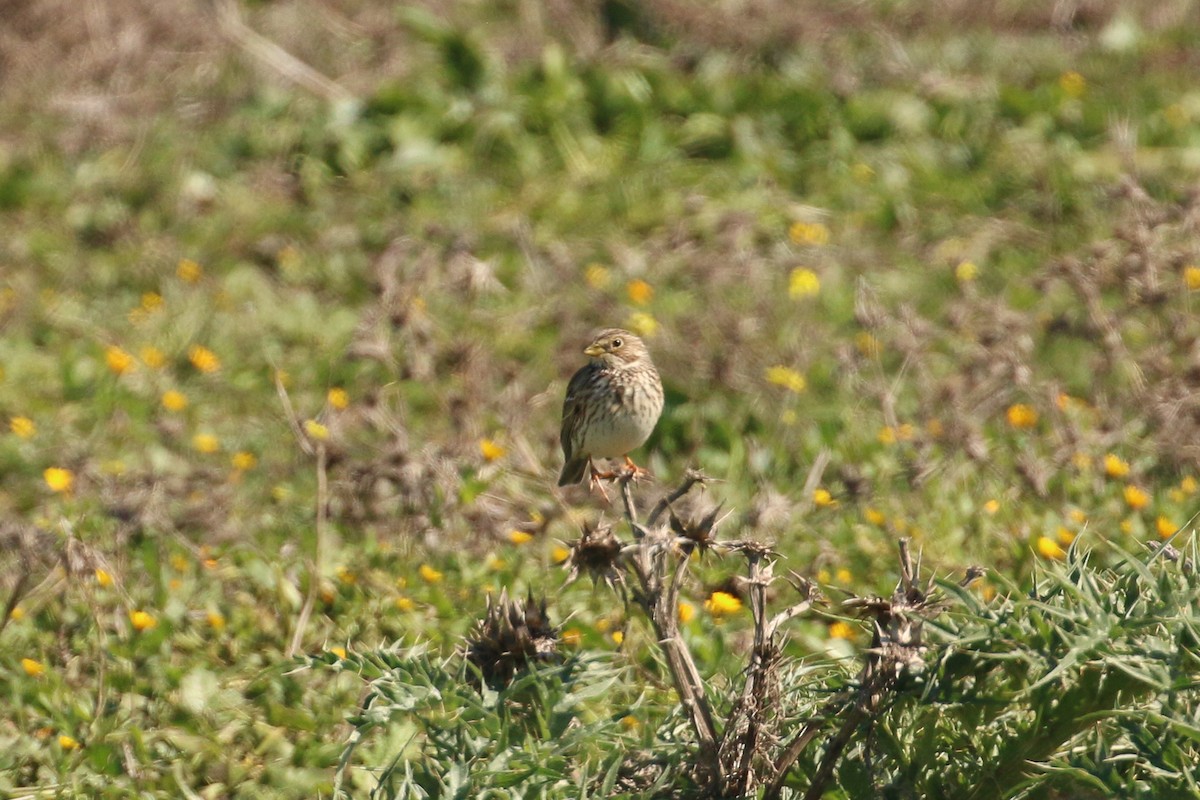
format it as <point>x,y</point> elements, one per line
<point>572,471</point>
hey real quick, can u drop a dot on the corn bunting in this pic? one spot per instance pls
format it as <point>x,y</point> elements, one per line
<point>612,405</point>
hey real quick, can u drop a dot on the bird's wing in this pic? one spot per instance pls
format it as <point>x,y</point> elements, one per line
<point>573,407</point>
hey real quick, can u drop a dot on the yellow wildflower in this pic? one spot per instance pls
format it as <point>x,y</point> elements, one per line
<point>33,669</point>
<point>559,554</point>
<point>1078,516</point>
<point>17,614</point>
<point>640,293</point>
<point>316,430</point>
<point>338,398</point>
<point>404,603</point>
<point>491,450</point>
<point>1064,535</point>
<point>1021,415</point>
<point>887,435</point>
<point>1050,548</point>
<point>151,300</point>
<point>618,636</point>
<point>629,721</point>
<point>103,578</point>
<point>803,282</point>
<point>519,537</point>
<point>1072,84</point>
<point>1191,277</point>
<point>203,359</point>
<point>22,427</point>
<point>429,574</point>
<point>966,271</point>
<point>867,344</point>
<point>494,562</point>
<point>346,575</point>
<point>338,651</point>
<point>786,377</point>
<point>1135,497</point>
<point>843,575</point>
<point>1115,467</point>
<point>141,620</point>
<point>643,324</point>
<point>875,517</point>
<point>862,172</point>
<point>68,742</point>
<point>244,460</point>
<point>596,275</point>
<point>215,620</point>
<point>687,611</point>
<point>823,499</point>
<point>721,604</point>
<point>841,630</point>
<point>152,357</point>
<point>206,443</point>
<point>991,506</point>
<point>572,637</point>
<point>1189,485</point>
<point>1165,526</point>
<point>58,479</point>
<point>813,233</point>
<point>173,400</point>
<point>189,271</point>
<point>119,362</point>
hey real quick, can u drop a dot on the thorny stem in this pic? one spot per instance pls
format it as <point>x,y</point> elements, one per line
<point>660,598</point>
<point>893,646</point>
<point>692,477</point>
<point>761,662</point>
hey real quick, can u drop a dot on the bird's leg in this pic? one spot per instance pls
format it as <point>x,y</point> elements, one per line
<point>637,472</point>
<point>594,478</point>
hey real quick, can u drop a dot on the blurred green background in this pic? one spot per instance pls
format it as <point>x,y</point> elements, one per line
<point>907,269</point>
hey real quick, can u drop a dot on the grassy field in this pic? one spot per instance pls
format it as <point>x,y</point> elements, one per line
<point>290,333</point>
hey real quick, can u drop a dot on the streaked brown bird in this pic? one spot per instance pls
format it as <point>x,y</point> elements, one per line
<point>612,405</point>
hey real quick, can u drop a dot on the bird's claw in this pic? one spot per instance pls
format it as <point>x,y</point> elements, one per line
<point>634,472</point>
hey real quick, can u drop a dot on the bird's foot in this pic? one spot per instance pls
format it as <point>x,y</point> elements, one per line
<point>594,478</point>
<point>634,472</point>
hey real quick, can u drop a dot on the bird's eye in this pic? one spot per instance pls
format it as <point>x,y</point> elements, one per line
<point>616,343</point>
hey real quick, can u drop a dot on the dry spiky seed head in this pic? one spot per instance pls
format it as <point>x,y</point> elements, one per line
<point>699,532</point>
<point>511,636</point>
<point>597,553</point>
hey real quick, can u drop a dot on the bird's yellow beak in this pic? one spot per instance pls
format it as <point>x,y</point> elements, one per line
<point>593,350</point>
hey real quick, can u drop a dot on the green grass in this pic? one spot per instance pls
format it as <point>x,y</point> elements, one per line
<point>440,250</point>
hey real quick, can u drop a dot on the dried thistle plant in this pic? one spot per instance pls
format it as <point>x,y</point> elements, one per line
<point>511,636</point>
<point>596,553</point>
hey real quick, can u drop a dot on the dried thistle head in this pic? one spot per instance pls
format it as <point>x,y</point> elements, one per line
<point>696,532</point>
<point>597,553</point>
<point>511,636</point>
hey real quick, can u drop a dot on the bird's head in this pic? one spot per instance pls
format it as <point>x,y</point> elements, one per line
<point>617,348</point>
